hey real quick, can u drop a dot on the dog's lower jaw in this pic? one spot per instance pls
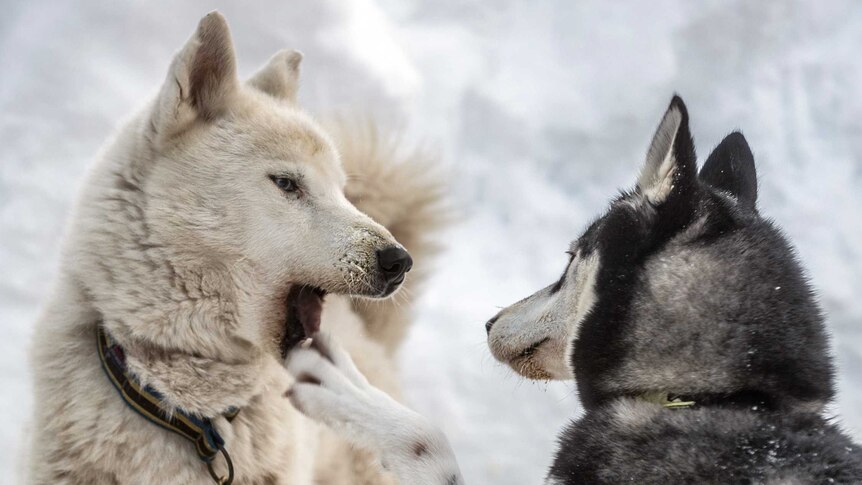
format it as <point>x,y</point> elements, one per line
<point>529,368</point>
<point>304,304</point>
<point>304,307</point>
<point>543,360</point>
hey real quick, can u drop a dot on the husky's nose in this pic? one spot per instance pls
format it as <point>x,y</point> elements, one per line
<point>490,323</point>
<point>394,262</point>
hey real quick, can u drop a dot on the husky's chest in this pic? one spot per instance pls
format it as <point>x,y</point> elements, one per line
<point>633,441</point>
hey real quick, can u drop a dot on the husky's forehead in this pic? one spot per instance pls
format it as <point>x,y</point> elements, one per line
<point>590,239</point>
<point>587,241</point>
<point>275,132</point>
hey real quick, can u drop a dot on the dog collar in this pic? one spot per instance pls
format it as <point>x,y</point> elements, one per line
<point>667,400</point>
<point>146,401</point>
<point>755,401</point>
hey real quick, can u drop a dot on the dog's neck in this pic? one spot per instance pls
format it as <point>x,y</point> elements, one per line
<point>193,325</point>
<point>752,400</point>
<point>201,350</point>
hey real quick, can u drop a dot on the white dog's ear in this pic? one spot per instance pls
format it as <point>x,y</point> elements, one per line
<point>201,81</point>
<point>279,78</point>
<point>670,163</point>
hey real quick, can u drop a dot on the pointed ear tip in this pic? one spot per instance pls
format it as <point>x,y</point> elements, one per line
<point>737,140</point>
<point>676,103</point>
<point>293,58</point>
<point>736,136</point>
<point>212,22</point>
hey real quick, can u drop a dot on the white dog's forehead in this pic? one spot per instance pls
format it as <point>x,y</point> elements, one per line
<point>280,133</point>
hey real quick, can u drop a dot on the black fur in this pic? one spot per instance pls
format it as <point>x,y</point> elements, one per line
<point>698,295</point>
<point>706,446</point>
<point>730,167</point>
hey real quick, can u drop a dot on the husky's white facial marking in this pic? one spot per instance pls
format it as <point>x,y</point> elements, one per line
<point>534,336</point>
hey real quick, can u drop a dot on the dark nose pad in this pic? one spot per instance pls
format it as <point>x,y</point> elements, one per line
<point>490,323</point>
<point>394,262</point>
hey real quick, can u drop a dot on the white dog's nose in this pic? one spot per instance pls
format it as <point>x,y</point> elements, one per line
<point>394,262</point>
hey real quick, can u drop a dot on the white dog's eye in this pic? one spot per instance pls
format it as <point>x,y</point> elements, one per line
<point>286,184</point>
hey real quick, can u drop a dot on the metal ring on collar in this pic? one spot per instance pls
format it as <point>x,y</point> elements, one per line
<point>226,480</point>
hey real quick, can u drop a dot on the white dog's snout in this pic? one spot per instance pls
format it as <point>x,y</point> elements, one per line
<point>372,262</point>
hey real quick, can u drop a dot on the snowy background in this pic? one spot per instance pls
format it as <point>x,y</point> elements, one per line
<point>540,109</point>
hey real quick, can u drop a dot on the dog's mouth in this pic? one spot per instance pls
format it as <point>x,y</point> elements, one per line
<point>525,362</point>
<point>529,351</point>
<point>304,307</point>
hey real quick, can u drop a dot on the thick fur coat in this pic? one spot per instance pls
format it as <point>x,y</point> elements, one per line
<point>699,350</point>
<point>197,218</point>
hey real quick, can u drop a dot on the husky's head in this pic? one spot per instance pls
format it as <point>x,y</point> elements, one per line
<point>679,287</point>
<point>239,173</point>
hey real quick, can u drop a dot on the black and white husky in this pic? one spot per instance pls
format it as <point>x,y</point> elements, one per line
<point>698,347</point>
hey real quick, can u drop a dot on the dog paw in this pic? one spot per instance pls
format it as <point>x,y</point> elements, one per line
<point>331,390</point>
<point>328,387</point>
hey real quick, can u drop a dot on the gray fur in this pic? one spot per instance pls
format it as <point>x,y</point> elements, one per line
<point>633,441</point>
<point>697,296</point>
<point>699,350</point>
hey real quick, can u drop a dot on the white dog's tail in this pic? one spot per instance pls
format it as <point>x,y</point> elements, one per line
<point>404,191</point>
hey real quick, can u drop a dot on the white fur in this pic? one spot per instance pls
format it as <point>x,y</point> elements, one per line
<point>184,249</point>
<point>280,76</point>
<point>550,317</point>
<point>656,178</point>
<point>554,318</point>
<point>553,481</point>
<point>331,390</point>
<point>634,413</point>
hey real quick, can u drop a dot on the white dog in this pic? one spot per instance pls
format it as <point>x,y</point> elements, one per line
<point>205,240</point>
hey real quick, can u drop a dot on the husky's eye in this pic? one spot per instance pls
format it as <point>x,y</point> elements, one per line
<point>286,184</point>
<point>559,284</point>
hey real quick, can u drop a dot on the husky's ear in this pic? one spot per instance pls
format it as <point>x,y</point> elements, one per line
<point>201,81</point>
<point>279,78</point>
<point>669,171</point>
<point>730,167</point>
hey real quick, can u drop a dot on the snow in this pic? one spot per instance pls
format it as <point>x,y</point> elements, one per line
<point>541,110</point>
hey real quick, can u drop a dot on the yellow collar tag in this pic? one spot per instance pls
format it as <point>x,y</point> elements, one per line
<point>659,397</point>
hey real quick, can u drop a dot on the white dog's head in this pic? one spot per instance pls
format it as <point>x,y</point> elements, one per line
<point>241,174</point>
